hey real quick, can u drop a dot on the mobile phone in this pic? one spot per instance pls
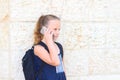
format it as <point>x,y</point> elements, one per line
<point>43,30</point>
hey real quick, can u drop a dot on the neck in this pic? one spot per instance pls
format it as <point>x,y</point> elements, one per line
<point>43,40</point>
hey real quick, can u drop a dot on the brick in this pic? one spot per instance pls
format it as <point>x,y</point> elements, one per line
<point>21,35</point>
<point>4,35</point>
<point>5,64</point>
<point>104,61</point>
<point>76,62</point>
<point>4,10</point>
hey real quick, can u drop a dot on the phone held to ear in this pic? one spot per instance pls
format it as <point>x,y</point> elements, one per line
<point>43,30</point>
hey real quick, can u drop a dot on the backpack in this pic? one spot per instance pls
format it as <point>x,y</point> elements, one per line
<point>28,65</point>
<point>28,62</point>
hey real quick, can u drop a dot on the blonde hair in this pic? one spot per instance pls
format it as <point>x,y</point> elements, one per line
<point>42,21</point>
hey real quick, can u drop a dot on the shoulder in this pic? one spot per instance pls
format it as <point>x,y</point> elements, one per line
<point>38,47</point>
<point>59,44</point>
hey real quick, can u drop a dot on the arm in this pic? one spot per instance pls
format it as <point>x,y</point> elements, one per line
<point>51,57</point>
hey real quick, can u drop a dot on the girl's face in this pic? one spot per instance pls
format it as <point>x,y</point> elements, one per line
<point>54,26</point>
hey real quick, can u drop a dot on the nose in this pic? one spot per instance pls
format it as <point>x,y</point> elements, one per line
<point>57,32</point>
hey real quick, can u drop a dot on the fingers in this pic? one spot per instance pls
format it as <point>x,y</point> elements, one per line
<point>48,35</point>
<point>49,32</point>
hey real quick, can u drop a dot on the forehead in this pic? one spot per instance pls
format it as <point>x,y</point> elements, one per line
<point>54,23</point>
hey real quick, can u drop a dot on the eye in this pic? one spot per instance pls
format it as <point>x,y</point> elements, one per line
<point>55,29</point>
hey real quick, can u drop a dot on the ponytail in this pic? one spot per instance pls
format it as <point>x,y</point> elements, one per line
<point>37,35</point>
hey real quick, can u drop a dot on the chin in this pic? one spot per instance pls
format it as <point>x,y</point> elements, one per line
<point>55,38</point>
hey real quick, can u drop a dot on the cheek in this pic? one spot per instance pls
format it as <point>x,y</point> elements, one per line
<point>55,33</point>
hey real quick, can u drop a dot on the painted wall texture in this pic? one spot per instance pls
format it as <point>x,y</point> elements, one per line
<point>90,35</point>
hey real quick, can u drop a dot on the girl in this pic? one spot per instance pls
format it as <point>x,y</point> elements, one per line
<point>46,50</point>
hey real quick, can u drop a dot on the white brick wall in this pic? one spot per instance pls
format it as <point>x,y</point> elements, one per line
<point>90,35</point>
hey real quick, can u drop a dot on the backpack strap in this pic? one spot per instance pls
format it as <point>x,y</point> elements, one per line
<point>61,48</point>
<point>44,45</point>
